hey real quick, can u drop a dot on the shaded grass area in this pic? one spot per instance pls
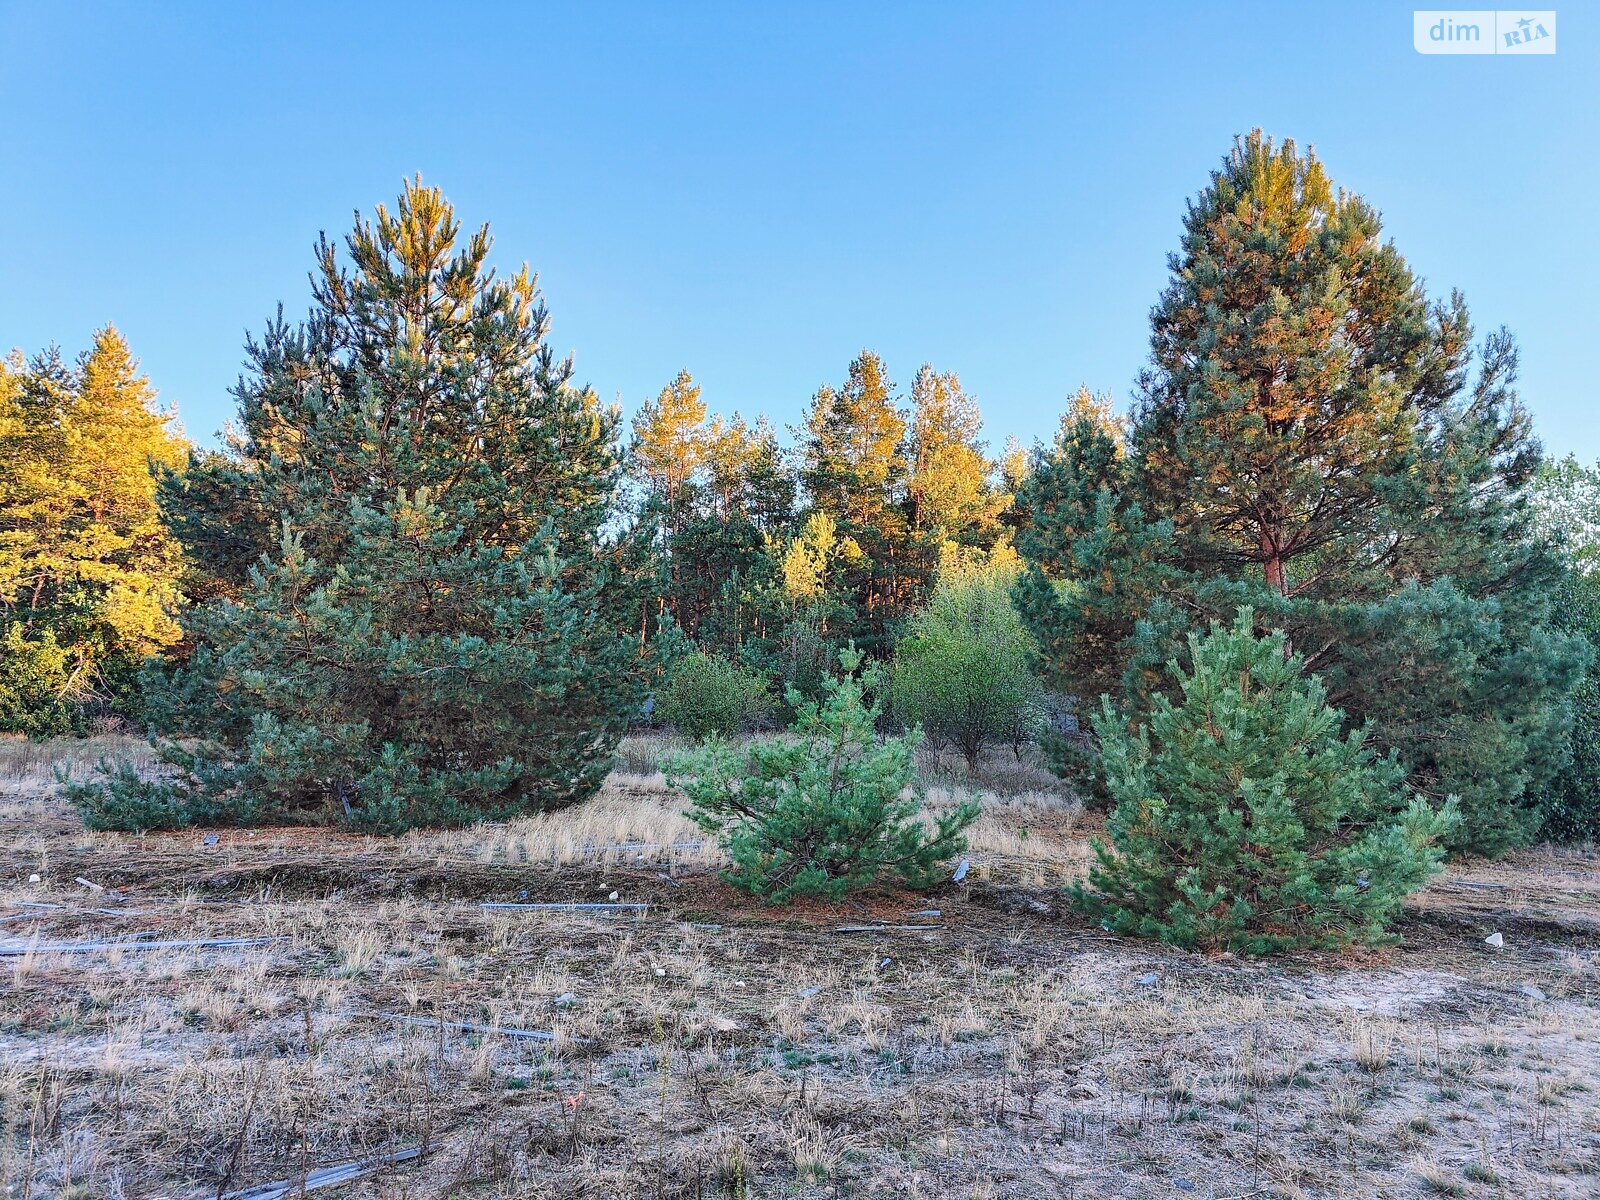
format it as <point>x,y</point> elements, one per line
<point>712,1046</point>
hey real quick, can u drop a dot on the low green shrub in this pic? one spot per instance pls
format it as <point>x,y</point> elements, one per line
<point>824,811</point>
<point>706,694</point>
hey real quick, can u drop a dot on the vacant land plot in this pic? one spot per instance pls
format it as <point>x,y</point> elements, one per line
<point>199,1014</point>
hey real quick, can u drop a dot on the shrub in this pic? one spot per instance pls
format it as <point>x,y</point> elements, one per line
<point>35,685</point>
<point>825,811</point>
<point>706,694</point>
<point>1244,820</point>
<point>122,798</point>
<point>962,672</point>
<point>803,655</point>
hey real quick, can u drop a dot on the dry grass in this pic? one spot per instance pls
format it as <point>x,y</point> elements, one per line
<point>713,1047</point>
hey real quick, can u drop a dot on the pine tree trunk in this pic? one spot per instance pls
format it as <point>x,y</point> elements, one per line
<point>1276,569</point>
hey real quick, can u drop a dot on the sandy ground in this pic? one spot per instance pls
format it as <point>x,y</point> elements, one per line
<point>706,1045</point>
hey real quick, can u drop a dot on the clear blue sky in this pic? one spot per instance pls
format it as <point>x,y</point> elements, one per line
<point>756,191</point>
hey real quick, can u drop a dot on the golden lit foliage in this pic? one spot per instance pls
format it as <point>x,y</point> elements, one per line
<point>809,559</point>
<point>1098,411</point>
<point>1000,562</point>
<point>669,442</point>
<point>949,484</point>
<point>1275,404</point>
<point>83,551</point>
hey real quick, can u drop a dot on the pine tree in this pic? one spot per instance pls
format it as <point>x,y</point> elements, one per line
<point>853,467</point>
<point>1245,820</point>
<point>1095,565</point>
<point>669,442</point>
<point>948,486</point>
<point>826,811</point>
<point>84,555</point>
<point>437,635</point>
<point>1291,351</point>
<point>127,563</point>
<point>745,494</point>
<point>417,367</point>
<point>1311,440</point>
<point>747,474</point>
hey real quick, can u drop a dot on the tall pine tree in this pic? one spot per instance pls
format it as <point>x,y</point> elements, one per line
<point>853,467</point>
<point>1311,441</point>
<point>718,559</point>
<point>669,442</point>
<point>437,633</point>
<point>949,485</point>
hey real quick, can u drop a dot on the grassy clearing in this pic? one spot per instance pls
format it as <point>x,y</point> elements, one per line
<point>713,1047</point>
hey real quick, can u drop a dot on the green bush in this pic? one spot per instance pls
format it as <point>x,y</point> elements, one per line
<point>803,654</point>
<point>825,811</point>
<point>1245,821</point>
<point>706,694</point>
<point>961,671</point>
<point>35,685</point>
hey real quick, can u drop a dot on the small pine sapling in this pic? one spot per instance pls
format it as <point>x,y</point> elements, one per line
<point>826,811</point>
<point>1246,821</point>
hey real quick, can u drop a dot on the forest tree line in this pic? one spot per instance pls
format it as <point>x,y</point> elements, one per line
<point>429,578</point>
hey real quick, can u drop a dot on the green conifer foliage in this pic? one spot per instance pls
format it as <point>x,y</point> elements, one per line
<point>827,811</point>
<point>1245,820</point>
<point>418,366</point>
<point>1095,565</point>
<point>1312,441</point>
<point>436,633</point>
